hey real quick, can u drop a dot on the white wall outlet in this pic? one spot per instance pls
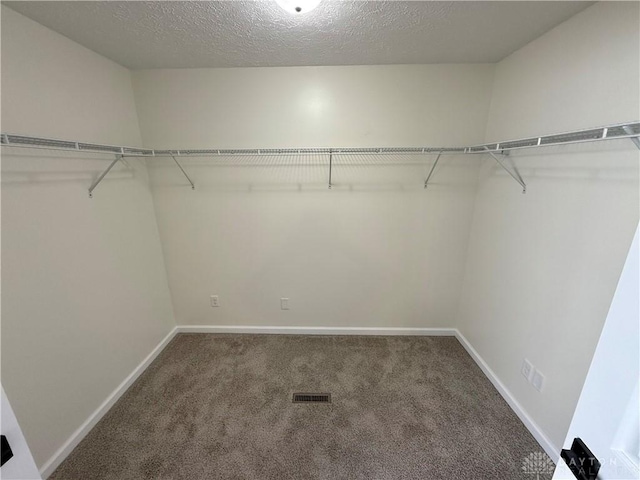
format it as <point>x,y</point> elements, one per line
<point>538,380</point>
<point>527,369</point>
<point>284,304</point>
<point>215,302</point>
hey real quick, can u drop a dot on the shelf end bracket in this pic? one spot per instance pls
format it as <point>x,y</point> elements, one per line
<point>635,140</point>
<point>193,187</point>
<point>330,167</point>
<point>514,174</point>
<point>433,167</point>
<point>102,175</point>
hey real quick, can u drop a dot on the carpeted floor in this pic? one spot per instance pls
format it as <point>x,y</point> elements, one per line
<point>219,407</point>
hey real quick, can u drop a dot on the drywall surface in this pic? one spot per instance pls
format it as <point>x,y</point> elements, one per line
<point>606,417</point>
<point>375,250</point>
<point>581,74</point>
<point>84,291</point>
<point>543,267</point>
<point>21,465</point>
<point>406,105</point>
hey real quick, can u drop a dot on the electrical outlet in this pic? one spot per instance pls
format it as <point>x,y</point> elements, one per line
<point>538,380</point>
<point>214,301</point>
<point>527,369</point>
<point>284,304</point>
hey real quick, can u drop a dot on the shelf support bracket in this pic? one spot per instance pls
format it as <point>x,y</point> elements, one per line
<point>433,167</point>
<point>514,174</point>
<point>635,140</point>
<point>330,166</point>
<point>102,175</point>
<point>193,187</point>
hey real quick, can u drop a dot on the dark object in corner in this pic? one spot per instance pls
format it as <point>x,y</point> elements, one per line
<point>6,450</point>
<point>582,463</point>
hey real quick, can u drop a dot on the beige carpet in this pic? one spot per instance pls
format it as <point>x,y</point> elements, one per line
<point>219,407</point>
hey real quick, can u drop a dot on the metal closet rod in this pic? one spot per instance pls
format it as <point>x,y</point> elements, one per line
<point>611,132</point>
<point>630,130</point>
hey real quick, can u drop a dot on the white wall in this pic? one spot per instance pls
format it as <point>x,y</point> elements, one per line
<point>84,291</point>
<point>542,267</point>
<point>402,105</point>
<point>21,465</point>
<point>606,417</point>
<point>377,250</point>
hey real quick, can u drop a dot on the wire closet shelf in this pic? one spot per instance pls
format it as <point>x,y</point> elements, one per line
<point>629,130</point>
<point>611,132</point>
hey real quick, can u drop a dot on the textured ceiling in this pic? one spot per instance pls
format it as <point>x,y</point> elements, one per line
<point>190,34</point>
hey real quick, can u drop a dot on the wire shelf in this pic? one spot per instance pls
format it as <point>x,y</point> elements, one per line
<point>332,156</point>
<point>612,132</point>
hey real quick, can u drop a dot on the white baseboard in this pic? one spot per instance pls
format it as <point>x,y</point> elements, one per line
<point>436,332</point>
<point>537,433</point>
<point>77,436</point>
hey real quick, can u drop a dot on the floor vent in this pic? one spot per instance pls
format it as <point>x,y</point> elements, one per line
<point>311,398</point>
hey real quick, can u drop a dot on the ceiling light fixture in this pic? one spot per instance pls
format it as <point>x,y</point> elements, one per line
<point>298,7</point>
